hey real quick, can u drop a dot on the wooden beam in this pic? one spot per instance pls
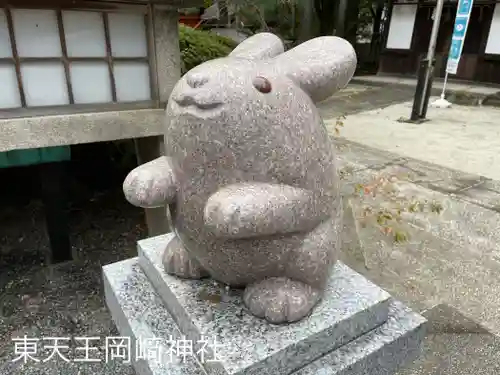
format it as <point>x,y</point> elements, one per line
<point>148,149</point>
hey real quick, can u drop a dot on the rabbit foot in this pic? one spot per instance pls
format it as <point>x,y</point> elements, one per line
<point>177,261</point>
<point>280,300</point>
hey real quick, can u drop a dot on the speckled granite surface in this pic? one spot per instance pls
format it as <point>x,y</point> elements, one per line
<point>140,315</point>
<point>352,307</point>
<point>139,312</point>
<point>380,352</point>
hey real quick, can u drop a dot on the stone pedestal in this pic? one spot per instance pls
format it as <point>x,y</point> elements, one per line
<point>357,328</point>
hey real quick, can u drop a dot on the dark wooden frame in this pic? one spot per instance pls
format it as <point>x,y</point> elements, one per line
<point>53,175</point>
<point>487,65</point>
<point>103,9</point>
<point>386,36</point>
<point>388,54</point>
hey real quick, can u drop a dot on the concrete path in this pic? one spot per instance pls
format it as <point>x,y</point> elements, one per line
<point>448,224</point>
<point>357,98</point>
<point>461,137</point>
<point>437,84</point>
<point>452,257</point>
<point>431,237</point>
<point>427,233</point>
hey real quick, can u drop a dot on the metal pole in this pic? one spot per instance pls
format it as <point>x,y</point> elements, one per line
<point>435,30</point>
<point>423,89</point>
<point>443,93</point>
<point>432,48</point>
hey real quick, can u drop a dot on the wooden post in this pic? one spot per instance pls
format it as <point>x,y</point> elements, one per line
<point>165,42</point>
<point>147,149</point>
<point>54,195</point>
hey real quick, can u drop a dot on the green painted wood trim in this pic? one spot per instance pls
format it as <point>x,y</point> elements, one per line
<point>18,158</point>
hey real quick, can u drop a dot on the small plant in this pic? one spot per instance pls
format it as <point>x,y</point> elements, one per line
<point>339,124</point>
<point>400,236</point>
<point>388,219</point>
<point>383,217</point>
<point>416,206</point>
<point>344,172</point>
<point>437,207</point>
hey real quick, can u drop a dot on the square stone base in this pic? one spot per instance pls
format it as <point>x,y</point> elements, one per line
<point>369,335</point>
<point>352,306</point>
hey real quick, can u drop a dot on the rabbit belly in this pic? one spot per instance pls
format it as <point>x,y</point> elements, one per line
<point>243,261</point>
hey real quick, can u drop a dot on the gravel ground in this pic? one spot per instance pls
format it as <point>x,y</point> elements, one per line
<point>65,300</point>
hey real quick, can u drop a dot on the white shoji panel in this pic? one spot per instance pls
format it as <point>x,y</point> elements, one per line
<point>493,44</point>
<point>132,81</point>
<point>401,26</point>
<point>128,35</point>
<point>44,84</point>
<point>5,48</point>
<point>37,33</point>
<point>9,94</point>
<point>84,33</point>
<point>91,82</point>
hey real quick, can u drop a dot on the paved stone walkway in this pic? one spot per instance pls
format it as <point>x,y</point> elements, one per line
<point>357,98</point>
<point>445,259</point>
<point>453,86</point>
<point>429,235</point>
<point>452,253</point>
<point>461,137</point>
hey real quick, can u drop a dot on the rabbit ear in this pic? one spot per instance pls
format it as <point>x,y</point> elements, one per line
<point>259,47</point>
<point>320,66</point>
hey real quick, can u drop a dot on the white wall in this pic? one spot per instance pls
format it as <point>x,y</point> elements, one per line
<point>493,45</point>
<point>401,26</point>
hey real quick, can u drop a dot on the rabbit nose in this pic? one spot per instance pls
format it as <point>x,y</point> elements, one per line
<point>196,80</point>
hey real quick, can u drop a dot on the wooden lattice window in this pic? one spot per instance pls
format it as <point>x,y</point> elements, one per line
<point>52,58</point>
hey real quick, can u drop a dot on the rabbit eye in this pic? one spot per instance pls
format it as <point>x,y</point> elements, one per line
<point>262,84</point>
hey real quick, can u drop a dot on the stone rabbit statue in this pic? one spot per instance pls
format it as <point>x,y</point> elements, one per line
<point>249,173</point>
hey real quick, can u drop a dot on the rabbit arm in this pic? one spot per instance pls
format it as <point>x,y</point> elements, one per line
<point>151,184</point>
<point>259,209</point>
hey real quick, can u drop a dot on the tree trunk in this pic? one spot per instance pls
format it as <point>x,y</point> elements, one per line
<point>307,21</point>
<point>351,24</point>
<point>326,11</point>
<point>376,35</point>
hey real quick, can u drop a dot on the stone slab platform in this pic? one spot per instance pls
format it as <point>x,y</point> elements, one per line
<point>352,307</point>
<point>139,313</point>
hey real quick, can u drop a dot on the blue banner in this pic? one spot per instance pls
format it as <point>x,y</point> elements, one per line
<point>464,9</point>
<point>460,27</point>
<point>455,49</point>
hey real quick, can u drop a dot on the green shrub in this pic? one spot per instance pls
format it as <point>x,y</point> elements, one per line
<point>198,46</point>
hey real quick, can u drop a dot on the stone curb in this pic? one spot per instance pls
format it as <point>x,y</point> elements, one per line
<point>454,96</point>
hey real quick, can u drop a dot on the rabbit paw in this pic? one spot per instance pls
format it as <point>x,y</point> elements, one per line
<point>177,261</point>
<point>151,185</point>
<point>280,300</point>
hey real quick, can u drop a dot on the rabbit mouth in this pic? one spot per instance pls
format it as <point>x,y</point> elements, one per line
<point>189,101</point>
